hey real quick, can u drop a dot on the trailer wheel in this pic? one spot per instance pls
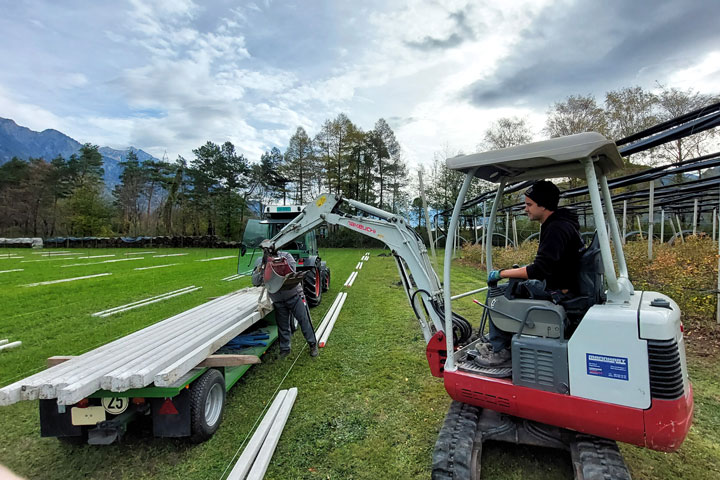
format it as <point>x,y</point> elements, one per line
<point>312,287</point>
<point>207,402</point>
<point>325,277</point>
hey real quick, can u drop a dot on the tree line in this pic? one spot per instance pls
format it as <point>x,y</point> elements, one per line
<point>218,189</point>
<point>211,194</point>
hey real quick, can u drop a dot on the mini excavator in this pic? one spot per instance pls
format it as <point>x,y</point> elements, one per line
<point>607,365</point>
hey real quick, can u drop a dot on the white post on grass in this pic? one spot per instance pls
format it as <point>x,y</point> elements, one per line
<point>682,238</point>
<point>475,230</point>
<point>624,221</point>
<point>637,217</point>
<point>662,225</point>
<point>515,236</point>
<point>507,228</point>
<point>672,225</point>
<point>717,310</point>
<point>427,220</point>
<point>714,223</point>
<point>457,241</point>
<point>483,239</point>
<point>651,207</point>
<point>695,216</point>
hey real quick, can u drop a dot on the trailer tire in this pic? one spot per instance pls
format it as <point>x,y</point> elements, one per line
<point>207,403</point>
<point>312,287</point>
<point>453,457</point>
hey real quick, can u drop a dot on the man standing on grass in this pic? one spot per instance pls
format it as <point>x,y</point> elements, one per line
<point>557,261</point>
<point>287,296</point>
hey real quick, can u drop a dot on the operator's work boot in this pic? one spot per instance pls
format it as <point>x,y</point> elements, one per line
<point>490,358</point>
<point>483,348</point>
<point>284,352</point>
<point>313,349</point>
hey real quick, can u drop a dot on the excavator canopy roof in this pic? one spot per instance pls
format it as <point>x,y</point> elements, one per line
<point>557,157</point>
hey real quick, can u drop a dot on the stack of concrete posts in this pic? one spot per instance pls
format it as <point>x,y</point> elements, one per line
<point>161,353</point>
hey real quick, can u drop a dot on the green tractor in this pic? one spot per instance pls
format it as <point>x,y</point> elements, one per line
<point>303,249</point>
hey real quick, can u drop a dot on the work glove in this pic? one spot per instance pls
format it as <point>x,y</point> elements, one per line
<point>494,277</point>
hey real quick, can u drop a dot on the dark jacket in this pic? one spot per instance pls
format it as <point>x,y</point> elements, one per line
<point>558,256</point>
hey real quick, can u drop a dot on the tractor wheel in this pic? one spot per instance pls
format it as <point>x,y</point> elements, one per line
<point>325,277</point>
<point>207,402</point>
<point>455,456</point>
<point>312,287</point>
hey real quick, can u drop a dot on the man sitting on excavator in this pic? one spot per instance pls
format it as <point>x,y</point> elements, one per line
<point>556,263</point>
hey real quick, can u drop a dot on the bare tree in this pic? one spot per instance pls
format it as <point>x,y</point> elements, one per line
<point>506,132</point>
<point>577,114</point>
<point>673,102</point>
<point>630,110</point>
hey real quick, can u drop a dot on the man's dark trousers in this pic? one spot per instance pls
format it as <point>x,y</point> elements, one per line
<point>284,310</point>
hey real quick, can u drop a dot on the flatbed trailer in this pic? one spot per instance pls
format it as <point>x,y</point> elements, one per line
<point>192,407</point>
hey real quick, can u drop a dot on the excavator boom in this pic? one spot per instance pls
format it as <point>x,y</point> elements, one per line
<point>421,283</point>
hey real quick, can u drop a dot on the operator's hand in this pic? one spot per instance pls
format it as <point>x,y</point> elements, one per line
<point>494,276</point>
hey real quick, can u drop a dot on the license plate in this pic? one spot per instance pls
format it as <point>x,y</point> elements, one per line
<point>87,416</point>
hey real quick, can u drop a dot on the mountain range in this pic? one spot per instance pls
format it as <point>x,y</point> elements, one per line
<point>21,142</point>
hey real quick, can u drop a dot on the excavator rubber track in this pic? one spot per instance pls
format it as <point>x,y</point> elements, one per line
<point>458,450</point>
<point>453,455</point>
<point>596,458</point>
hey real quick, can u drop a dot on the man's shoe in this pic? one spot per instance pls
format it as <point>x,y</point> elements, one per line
<point>313,350</point>
<point>490,358</point>
<point>284,353</point>
<point>483,348</point>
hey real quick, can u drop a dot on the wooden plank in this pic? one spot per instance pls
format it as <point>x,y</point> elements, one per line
<point>229,360</point>
<point>211,361</point>
<point>58,359</point>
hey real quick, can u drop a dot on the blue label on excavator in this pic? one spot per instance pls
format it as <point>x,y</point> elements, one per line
<point>607,366</point>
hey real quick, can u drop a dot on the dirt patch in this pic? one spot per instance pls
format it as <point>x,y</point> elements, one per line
<point>703,342</point>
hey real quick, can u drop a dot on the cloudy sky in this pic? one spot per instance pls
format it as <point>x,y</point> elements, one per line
<point>166,76</point>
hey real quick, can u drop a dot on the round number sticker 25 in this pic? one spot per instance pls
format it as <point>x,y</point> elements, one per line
<point>115,405</point>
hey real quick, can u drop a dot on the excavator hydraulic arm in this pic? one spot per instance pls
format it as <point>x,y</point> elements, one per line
<point>421,283</point>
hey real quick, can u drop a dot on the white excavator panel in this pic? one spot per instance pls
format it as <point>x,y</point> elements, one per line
<point>660,320</point>
<point>608,361</point>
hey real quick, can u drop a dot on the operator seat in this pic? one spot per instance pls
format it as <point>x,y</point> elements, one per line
<point>591,284</point>
<point>540,314</point>
<point>512,311</point>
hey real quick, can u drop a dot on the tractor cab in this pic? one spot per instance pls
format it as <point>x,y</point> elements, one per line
<point>275,217</point>
<point>303,248</point>
<point>609,361</point>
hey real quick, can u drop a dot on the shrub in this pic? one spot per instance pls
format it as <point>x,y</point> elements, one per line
<point>686,272</point>
<point>502,257</point>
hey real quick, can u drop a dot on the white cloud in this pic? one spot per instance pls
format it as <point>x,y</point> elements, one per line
<point>181,73</point>
<point>72,80</point>
<point>26,114</point>
<point>703,76</point>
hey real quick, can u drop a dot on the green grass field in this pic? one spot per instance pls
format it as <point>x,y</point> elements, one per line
<point>367,407</point>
